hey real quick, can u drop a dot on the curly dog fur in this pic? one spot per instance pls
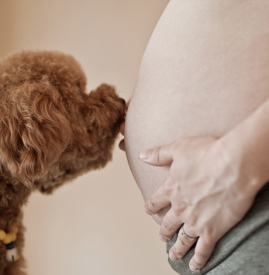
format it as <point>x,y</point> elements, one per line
<point>51,131</point>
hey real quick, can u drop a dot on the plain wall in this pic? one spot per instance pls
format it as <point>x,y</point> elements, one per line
<point>95,225</point>
<point>5,27</point>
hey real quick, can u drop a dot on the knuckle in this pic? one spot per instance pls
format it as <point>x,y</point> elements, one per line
<point>151,204</point>
<point>183,243</point>
<point>163,237</point>
<point>201,255</point>
<point>167,227</point>
<point>168,189</point>
<point>178,253</point>
<point>157,153</point>
<point>178,209</point>
<point>209,240</point>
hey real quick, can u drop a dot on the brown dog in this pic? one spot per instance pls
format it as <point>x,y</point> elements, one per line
<point>51,131</point>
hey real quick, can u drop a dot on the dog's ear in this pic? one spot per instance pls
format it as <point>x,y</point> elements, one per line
<point>34,131</point>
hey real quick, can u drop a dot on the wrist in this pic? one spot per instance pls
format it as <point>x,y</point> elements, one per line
<point>247,147</point>
<point>245,178</point>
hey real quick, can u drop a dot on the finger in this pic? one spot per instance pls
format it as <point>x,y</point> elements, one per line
<point>203,251</point>
<point>170,224</point>
<point>122,145</point>
<point>159,156</point>
<point>182,245</point>
<point>158,200</point>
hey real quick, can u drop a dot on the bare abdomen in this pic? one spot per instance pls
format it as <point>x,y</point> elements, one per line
<point>205,69</point>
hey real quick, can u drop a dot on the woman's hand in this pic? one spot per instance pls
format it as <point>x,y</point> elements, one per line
<point>204,189</point>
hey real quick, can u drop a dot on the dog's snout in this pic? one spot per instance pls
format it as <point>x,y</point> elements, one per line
<point>122,101</point>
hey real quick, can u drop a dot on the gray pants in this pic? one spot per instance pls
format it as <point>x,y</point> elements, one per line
<point>243,250</point>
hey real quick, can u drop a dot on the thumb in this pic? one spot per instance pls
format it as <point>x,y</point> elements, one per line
<point>159,156</point>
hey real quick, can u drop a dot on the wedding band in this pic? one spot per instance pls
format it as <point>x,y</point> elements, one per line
<point>186,236</point>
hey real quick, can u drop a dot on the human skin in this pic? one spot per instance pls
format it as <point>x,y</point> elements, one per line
<point>209,202</point>
<point>204,71</point>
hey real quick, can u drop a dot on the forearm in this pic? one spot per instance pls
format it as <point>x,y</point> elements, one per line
<point>248,145</point>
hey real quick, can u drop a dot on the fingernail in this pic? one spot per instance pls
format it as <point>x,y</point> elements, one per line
<point>193,268</point>
<point>144,154</point>
<point>172,256</point>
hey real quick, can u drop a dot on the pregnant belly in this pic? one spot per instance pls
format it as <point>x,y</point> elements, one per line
<point>200,75</point>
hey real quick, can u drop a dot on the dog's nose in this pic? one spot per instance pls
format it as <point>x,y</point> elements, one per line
<point>122,101</point>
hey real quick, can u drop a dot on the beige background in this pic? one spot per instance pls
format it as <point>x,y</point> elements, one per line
<point>95,225</point>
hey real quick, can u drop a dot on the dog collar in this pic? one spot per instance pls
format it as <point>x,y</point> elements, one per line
<point>8,239</point>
